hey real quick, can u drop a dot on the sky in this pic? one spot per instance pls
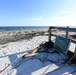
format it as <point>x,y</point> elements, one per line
<point>37,12</point>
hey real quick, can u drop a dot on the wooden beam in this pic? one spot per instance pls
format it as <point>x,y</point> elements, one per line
<point>67,32</point>
<point>64,28</point>
<point>49,34</point>
<point>74,41</point>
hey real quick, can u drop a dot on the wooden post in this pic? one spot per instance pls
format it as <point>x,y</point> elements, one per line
<point>67,33</point>
<point>49,34</point>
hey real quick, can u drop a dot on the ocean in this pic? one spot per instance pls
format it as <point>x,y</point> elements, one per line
<point>20,28</point>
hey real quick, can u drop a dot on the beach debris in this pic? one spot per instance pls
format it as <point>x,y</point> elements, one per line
<point>62,44</point>
<point>32,52</point>
<point>43,45</point>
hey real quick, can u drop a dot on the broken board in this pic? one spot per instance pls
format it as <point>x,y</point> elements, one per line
<point>62,44</point>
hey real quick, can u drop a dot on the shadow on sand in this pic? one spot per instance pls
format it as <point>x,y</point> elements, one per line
<point>37,64</point>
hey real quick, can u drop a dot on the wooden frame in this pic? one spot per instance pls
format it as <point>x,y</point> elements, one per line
<point>67,29</point>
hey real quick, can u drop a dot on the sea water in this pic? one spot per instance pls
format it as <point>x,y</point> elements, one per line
<point>20,28</point>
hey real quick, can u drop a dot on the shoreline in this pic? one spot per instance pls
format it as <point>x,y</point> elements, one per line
<point>13,36</point>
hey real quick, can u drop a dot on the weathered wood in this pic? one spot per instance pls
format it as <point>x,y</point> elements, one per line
<point>49,34</point>
<point>62,44</point>
<point>74,41</point>
<point>46,46</point>
<point>32,52</point>
<point>67,32</point>
<point>64,28</point>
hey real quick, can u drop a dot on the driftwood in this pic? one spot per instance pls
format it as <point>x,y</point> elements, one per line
<point>32,52</point>
<point>45,45</point>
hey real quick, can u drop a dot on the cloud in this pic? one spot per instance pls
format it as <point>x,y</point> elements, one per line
<point>63,18</point>
<point>64,12</point>
<point>56,20</point>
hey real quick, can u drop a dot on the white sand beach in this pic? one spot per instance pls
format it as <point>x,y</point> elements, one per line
<point>15,44</point>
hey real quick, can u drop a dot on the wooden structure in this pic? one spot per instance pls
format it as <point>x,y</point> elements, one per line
<point>67,29</point>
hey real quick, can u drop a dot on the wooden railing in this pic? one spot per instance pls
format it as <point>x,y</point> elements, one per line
<point>67,29</point>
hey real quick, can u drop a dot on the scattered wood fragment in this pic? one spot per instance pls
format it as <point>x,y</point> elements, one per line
<point>34,51</point>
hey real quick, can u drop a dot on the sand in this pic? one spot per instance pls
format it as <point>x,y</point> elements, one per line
<point>12,36</point>
<point>13,45</point>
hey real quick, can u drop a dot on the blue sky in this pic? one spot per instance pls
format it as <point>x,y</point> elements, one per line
<point>37,12</point>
